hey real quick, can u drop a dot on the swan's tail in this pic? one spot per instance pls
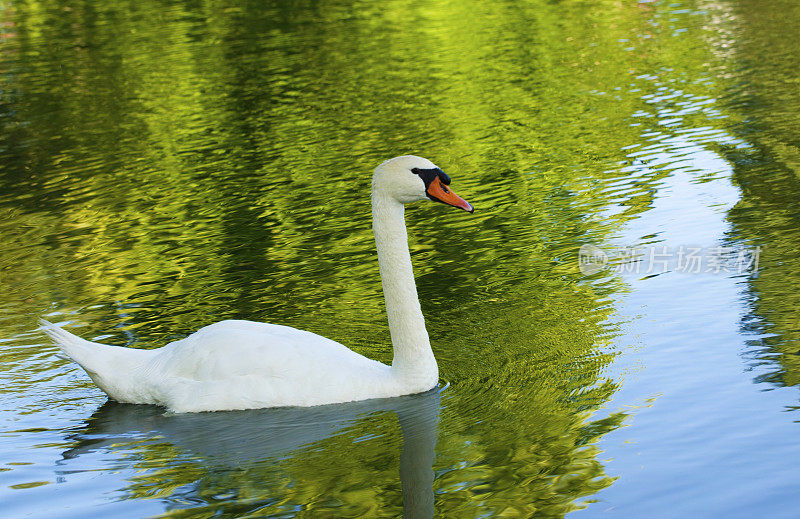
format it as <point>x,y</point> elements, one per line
<point>110,367</point>
<point>80,350</point>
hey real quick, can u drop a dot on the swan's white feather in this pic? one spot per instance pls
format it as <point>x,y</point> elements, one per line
<point>244,364</point>
<point>232,365</point>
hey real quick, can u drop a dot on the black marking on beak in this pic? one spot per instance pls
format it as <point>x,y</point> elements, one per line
<point>428,175</point>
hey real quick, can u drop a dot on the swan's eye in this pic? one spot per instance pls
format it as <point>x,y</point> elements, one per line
<point>415,171</point>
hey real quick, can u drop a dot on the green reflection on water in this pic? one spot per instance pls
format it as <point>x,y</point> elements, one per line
<point>166,165</point>
<point>765,108</point>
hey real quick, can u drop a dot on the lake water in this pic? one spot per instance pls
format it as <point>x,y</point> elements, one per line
<point>165,165</point>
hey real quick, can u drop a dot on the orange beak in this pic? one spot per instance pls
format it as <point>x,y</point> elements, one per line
<point>442,193</point>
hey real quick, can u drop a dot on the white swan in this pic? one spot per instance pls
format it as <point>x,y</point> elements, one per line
<point>248,365</point>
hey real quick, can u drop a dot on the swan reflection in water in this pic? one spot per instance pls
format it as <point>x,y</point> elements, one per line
<point>237,440</point>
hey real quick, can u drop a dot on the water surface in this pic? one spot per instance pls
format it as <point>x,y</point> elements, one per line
<point>165,165</point>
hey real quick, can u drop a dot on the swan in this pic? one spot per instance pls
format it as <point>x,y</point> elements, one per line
<point>237,364</point>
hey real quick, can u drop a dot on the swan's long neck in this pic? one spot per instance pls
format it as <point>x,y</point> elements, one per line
<point>413,357</point>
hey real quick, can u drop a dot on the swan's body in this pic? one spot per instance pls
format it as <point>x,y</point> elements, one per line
<point>247,365</point>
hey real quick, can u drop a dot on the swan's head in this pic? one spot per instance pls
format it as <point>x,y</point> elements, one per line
<point>409,179</point>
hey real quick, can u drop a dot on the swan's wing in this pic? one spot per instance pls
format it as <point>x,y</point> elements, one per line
<point>247,365</point>
<point>231,349</point>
